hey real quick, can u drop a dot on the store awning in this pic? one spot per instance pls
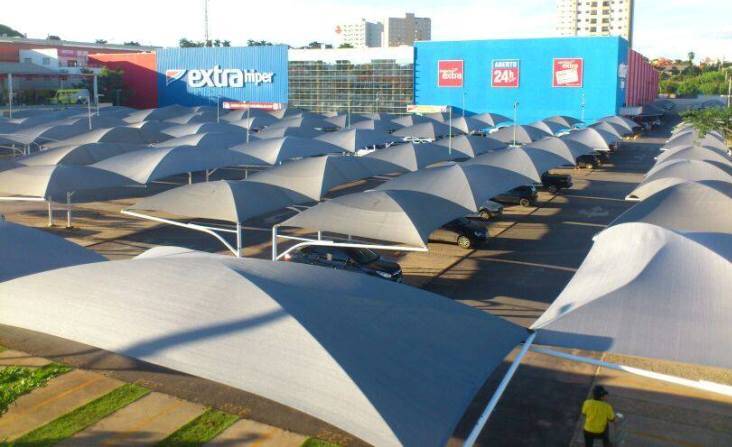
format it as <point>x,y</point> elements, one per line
<point>650,292</point>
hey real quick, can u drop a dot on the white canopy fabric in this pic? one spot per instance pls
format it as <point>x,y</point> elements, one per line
<point>701,207</point>
<point>204,116</point>
<point>231,201</point>
<point>627,123</point>
<point>471,145</point>
<point>379,125</point>
<point>687,165</point>
<point>691,139</point>
<point>491,119</point>
<point>467,124</point>
<point>428,130</point>
<point>615,129</point>
<point>694,153</point>
<point>25,250</point>
<point>524,134</point>
<point>684,132</point>
<point>57,180</point>
<point>44,134</point>
<point>196,128</point>
<point>597,139</point>
<point>159,114</point>
<point>672,172</point>
<point>255,122</point>
<point>550,127</point>
<point>647,291</point>
<point>400,216</point>
<point>275,150</point>
<point>309,120</point>
<point>279,132</point>
<point>390,364</point>
<point>345,120</point>
<point>352,140</point>
<point>160,162</point>
<point>82,154</point>
<point>211,140</point>
<point>567,149</point>
<point>529,162</point>
<point>411,120</point>
<point>407,157</point>
<point>129,135</point>
<point>314,177</point>
<point>567,122</point>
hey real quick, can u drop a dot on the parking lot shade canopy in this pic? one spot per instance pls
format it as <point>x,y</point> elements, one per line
<point>209,140</point>
<point>567,149</point>
<point>597,139</point>
<point>25,250</point>
<point>690,138</point>
<point>650,292</point>
<point>467,124</point>
<point>567,122</point>
<point>431,130</point>
<point>531,163</point>
<point>182,130</point>
<point>311,121</point>
<point>407,157</point>
<point>550,127</point>
<point>628,123</point>
<point>688,207</point>
<point>380,125</point>
<point>672,172</point>
<point>352,140</point>
<point>524,134</point>
<point>345,120</point>
<point>130,135</point>
<point>615,129</point>
<point>472,145</point>
<point>159,114</point>
<point>279,132</point>
<point>491,119</point>
<point>694,153</point>
<point>275,150</point>
<point>82,154</point>
<point>57,180</point>
<point>411,120</point>
<point>357,352</point>
<point>43,134</point>
<point>402,217</point>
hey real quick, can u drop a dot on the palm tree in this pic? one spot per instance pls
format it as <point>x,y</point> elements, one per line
<point>691,55</point>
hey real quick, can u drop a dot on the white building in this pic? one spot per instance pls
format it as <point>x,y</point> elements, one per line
<point>595,18</point>
<point>404,31</point>
<point>362,34</point>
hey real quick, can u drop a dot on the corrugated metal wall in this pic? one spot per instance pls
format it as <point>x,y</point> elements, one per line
<point>172,90</point>
<point>642,81</point>
<point>140,76</point>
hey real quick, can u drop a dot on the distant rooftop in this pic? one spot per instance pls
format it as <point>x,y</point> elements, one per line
<point>70,43</point>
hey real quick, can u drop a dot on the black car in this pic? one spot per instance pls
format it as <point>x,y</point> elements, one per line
<point>554,182</point>
<point>523,195</point>
<point>354,259</point>
<point>592,161</point>
<point>464,232</point>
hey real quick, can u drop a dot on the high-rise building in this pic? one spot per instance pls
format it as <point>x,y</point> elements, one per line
<point>405,31</point>
<point>595,18</point>
<point>362,34</point>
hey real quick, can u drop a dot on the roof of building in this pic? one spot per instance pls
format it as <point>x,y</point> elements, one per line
<point>75,44</point>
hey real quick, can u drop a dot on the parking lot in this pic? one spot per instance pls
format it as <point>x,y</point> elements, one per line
<point>532,254</point>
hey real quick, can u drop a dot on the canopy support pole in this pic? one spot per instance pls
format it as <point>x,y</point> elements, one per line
<point>274,242</point>
<point>68,209</point>
<point>449,131</point>
<point>470,441</point>
<point>704,385</point>
<point>50,212</point>
<point>10,95</point>
<point>238,240</point>
<point>304,242</point>
<point>190,178</point>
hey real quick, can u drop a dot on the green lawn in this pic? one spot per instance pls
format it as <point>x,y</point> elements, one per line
<point>200,430</point>
<point>18,380</point>
<point>315,442</point>
<point>82,417</point>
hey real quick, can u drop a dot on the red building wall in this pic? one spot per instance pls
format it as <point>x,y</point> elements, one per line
<point>642,81</point>
<point>139,75</point>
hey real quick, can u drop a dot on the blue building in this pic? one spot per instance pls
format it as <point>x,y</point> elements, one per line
<point>202,76</point>
<point>552,76</point>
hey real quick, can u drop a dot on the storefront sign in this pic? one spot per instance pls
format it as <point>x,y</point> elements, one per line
<point>450,73</point>
<point>243,105</point>
<point>567,72</point>
<point>505,73</point>
<point>218,77</point>
<point>422,108</point>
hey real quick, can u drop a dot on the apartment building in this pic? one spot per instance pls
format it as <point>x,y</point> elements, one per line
<point>595,18</point>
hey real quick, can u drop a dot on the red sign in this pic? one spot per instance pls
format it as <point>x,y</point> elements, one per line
<point>450,73</point>
<point>567,72</point>
<point>505,73</point>
<point>243,105</point>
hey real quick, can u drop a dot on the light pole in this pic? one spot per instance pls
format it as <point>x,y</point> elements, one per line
<point>582,107</point>
<point>515,120</point>
<point>205,21</point>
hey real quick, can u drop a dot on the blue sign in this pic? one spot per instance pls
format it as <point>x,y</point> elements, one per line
<point>203,76</point>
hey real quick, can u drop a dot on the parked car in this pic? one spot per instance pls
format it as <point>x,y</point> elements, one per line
<point>489,209</point>
<point>554,182</point>
<point>353,259</point>
<point>463,232</point>
<point>522,195</point>
<point>591,161</point>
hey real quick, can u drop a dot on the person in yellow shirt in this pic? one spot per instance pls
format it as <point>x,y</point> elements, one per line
<point>598,414</point>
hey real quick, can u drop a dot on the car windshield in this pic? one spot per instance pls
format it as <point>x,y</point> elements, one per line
<point>462,221</point>
<point>363,255</point>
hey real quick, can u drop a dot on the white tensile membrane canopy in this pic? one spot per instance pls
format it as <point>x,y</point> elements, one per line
<point>82,154</point>
<point>471,145</point>
<point>672,172</point>
<point>130,135</point>
<point>529,162</point>
<point>567,122</point>
<point>279,132</point>
<point>208,140</point>
<point>467,124</point>
<point>272,151</point>
<point>255,122</point>
<point>351,140</point>
<point>647,291</point>
<point>550,127</point>
<point>346,120</point>
<point>390,364</point>
<point>411,120</point>
<point>691,139</point>
<point>597,139</point>
<point>615,129</point>
<point>25,250</point>
<point>407,157</point>
<point>159,114</point>
<point>702,207</point>
<point>627,123</point>
<point>431,130</point>
<point>380,125</point>
<point>182,130</point>
<point>567,149</point>
<point>312,121</point>
<point>524,134</point>
<point>491,119</point>
<point>694,153</point>
<point>43,134</point>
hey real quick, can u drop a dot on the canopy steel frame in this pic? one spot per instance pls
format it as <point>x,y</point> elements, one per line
<point>304,242</point>
<point>210,230</point>
<point>48,201</point>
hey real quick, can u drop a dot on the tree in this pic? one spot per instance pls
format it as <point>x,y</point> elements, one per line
<point>9,32</point>
<point>258,43</point>
<point>345,45</point>
<point>315,45</point>
<point>132,43</point>
<point>691,56</point>
<point>109,84</point>
<point>713,118</point>
<point>52,37</point>
<point>101,41</point>
<point>185,43</point>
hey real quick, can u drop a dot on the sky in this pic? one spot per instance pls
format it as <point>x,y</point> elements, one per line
<point>668,28</point>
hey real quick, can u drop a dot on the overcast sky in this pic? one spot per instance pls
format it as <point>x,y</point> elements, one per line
<point>668,28</point>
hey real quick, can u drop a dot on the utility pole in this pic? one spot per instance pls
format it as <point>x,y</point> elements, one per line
<point>205,21</point>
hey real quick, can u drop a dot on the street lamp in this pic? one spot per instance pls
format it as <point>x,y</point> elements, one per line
<point>515,120</point>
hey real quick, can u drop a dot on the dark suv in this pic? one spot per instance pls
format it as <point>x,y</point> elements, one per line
<point>554,182</point>
<point>463,232</point>
<point>354,259</point>
<point>589,161</point>
<point>522,195</point>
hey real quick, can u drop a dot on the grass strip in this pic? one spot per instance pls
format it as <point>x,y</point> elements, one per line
<point>16,381</point>
<point>315,442</point>
<point>200,430</point>
<point>82,417</point>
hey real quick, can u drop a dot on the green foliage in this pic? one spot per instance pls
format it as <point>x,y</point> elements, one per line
<point>186,43</point>
<point>345,45</point>
<point>82,417</point>
<point>200,430</point>
<point>258,43</point>
<point>714,118</point>
<point>16,381</point>
<point>8,31</point>
<point>111,87</point>
<point>132,43</point>
<point>52,37</point>
<point>100,41</point>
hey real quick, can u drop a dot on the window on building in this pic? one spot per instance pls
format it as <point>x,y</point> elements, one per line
<point>46,61</point>
<point>27,60</point>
